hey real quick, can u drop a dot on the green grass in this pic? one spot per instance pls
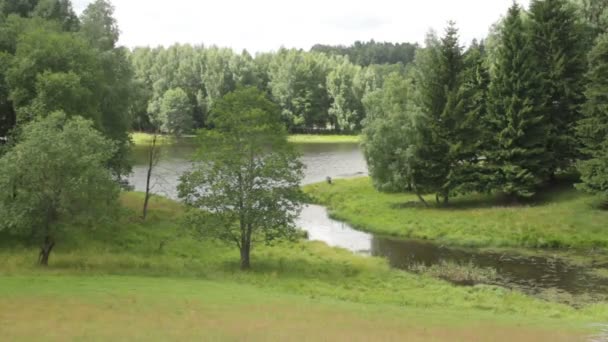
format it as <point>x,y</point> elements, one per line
<point>561,218</point>
<point>144,139</point>
<point>47,307</point>
<point>120,278</point>
<point>322,139</point>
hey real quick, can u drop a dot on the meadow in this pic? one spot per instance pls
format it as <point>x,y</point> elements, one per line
<point>559,218</point>
<point>153,279</point>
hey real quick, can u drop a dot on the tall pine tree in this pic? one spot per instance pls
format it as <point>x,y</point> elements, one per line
<point>593,128</point>
<point>516,156</point>
<point>557,40</point>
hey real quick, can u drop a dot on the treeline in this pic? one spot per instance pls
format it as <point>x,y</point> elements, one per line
<point>505,115</point>
<point>372,52</point>
<point>52,60</point>
<point>178,85</point>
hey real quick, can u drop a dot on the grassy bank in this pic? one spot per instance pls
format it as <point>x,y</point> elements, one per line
<point>558,218</point>
<point>140,139</point>
<point>119,278</point>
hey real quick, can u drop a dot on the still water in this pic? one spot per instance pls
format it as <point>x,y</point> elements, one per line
<point>533,274</point>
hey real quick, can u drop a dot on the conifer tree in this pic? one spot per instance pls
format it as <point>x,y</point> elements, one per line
<point>557,39</point>
<point>593,128</point>
<point>516,155</point>
<point>438,80</point>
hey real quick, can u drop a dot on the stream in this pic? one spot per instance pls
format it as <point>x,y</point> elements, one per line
<point>531,274</point>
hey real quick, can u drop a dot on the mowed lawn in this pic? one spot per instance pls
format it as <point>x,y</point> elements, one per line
<point>558,218</point>
<point>92,308</point>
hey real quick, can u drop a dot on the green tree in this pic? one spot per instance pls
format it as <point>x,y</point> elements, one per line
<point>593,128</point>
<point>99,26</point>
<point>60,11</point>
<point>516,156</point>
<point>446,128</point>
<point>391,138</point>
<point>22,8</point>
<point>558,43</point>
<point>345,92</point>
<point>246,187</point>
<point>55,173</point>
<point>175,112</point>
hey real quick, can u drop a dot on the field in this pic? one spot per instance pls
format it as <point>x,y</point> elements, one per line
<point>559,218</point>
<point>145,139</point>
<point>152,279</point>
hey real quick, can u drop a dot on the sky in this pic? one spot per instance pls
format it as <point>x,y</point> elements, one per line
<point>266,25</point>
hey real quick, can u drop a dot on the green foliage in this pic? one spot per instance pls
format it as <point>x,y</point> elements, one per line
<point>99,26</point>
<point>56,171</point>
<point>559,58</point>
<point>390,136</point>
<point>517,160</point>
<point>370,53</point>
<point>345,91</point>
<point>593,128</point>
<point>58,10</point>
<point>175,112</point>
<point>246,185</point>
<point>297,82</point>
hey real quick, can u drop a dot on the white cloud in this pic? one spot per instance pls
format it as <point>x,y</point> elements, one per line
<point>265,25</point>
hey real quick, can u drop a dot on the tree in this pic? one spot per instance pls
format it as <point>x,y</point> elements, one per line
<point>558,44</point>
<point>60,11</point>
<point>99,26</point>
<point>390,138</point>
<point>593,128</point>
<point>22,8</point>
<point>246,185</point>
<point>55,173</point>
<point>445,129</point>
<point>175,112</point>
<point>516,157</point>
<point>346,111</point>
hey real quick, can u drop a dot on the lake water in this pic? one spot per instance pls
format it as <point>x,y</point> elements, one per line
<point>532,274</point>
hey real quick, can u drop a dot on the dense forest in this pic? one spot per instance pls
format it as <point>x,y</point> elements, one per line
<point>504,114</point>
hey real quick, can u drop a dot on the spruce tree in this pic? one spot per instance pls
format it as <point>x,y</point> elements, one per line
<point>593,128</point>
<point>557,39</point>
<point>516,155</point>
<point>438,80</point>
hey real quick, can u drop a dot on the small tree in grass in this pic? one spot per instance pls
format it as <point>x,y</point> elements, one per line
<point>246,186</point>
<point>56,172</point>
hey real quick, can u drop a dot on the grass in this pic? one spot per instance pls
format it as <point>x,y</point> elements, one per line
<point>322,139</point>
<point>136,308</point>
<point>119,278</point>
<point>144,139</point>
<point>561,218</point>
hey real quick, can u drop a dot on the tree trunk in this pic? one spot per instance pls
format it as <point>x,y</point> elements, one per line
<point>245,251</point>
<point>45,251</point>
<point>151,162</point>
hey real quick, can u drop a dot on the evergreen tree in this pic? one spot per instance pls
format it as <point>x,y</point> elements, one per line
<point>557,39</point>
<point>516,155</point>
<point>593,128</point>
<point>443,125</point>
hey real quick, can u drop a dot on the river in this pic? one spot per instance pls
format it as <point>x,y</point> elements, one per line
<point>532,274</point>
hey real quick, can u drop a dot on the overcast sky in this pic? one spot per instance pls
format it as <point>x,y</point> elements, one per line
<point>266,25</point>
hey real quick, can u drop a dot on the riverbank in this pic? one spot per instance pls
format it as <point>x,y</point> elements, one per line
<point>156,264</point>
<point>559,219</point>
<point>144,139</point>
